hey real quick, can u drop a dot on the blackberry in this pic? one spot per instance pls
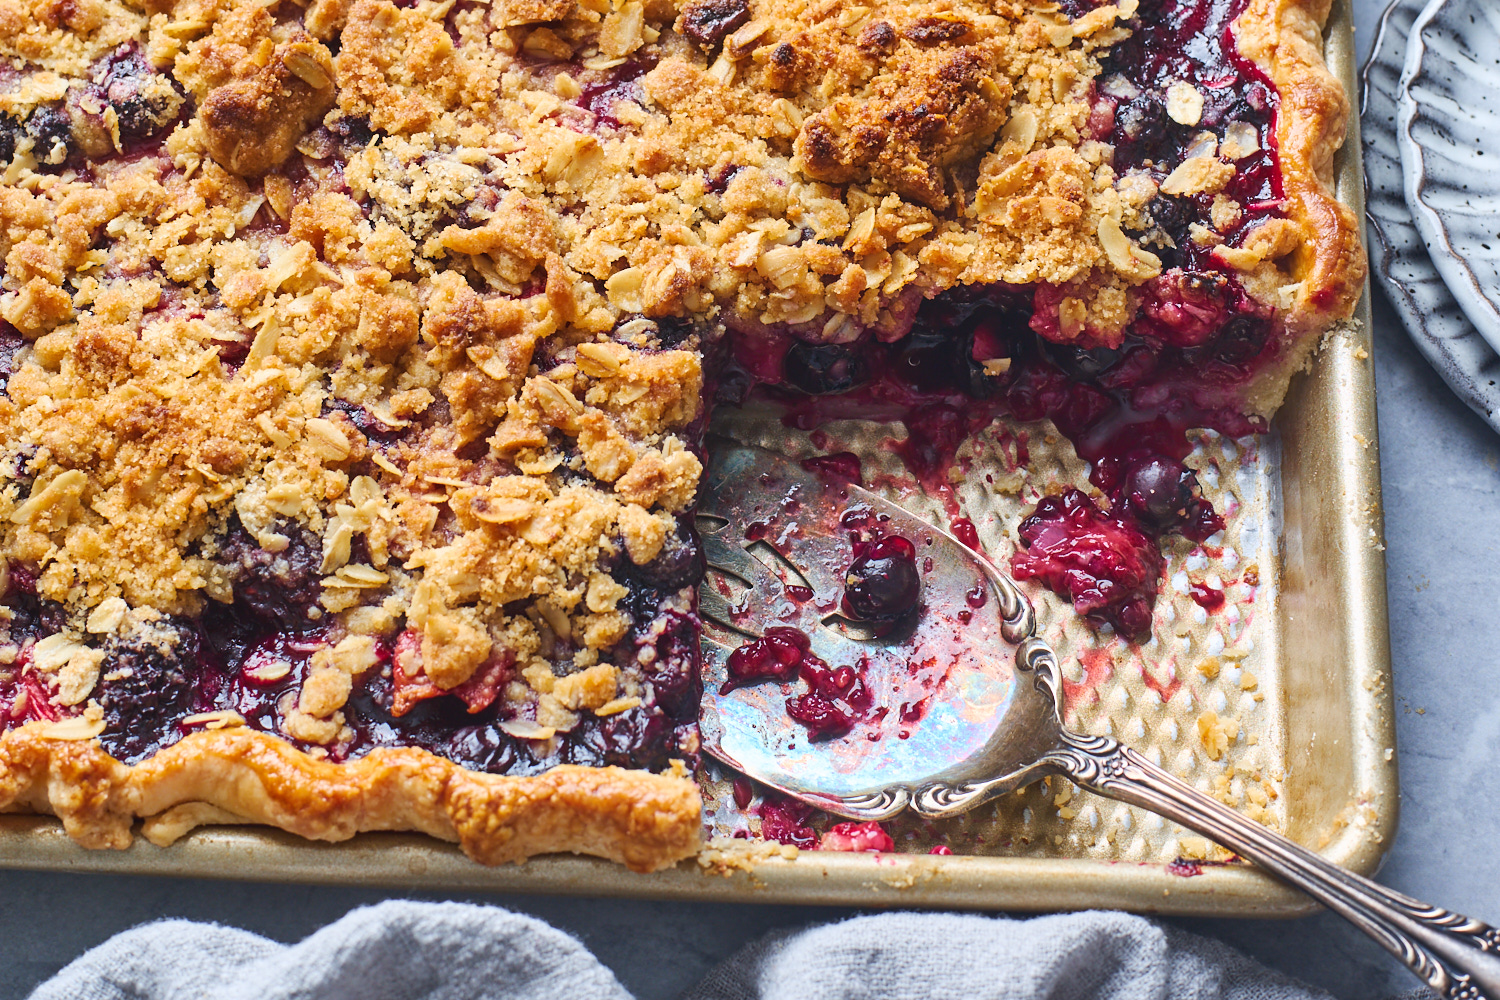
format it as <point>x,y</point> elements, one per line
<point>1144,121</point>
<point>150,681</point>
<point>143,106</point>
<point>275,587</point>
<point>10,131</point>
<point>354,132</point>
<point>636,739</point>
<point>1242,338</point>
<point>1173,216</point>
<point>673,331</point>
<point>673,674</point>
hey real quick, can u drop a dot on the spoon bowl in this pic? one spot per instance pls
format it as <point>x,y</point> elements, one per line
<point>949,705</point>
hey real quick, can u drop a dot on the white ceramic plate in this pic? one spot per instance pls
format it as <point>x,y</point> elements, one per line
<point>1430,313</point>
<point>1448,125</point>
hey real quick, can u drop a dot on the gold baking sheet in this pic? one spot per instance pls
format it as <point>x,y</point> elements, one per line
<point>1295,669</point>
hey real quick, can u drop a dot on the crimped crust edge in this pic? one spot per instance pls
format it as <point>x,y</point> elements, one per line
<point>645,821</point>
<point>1284,39</point>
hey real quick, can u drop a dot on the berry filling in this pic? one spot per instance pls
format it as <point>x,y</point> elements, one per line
<point>786,821</point>
<point>1105,565</point>
<point>775,656</point>
<point>857,837</point>
<point>836,697</point>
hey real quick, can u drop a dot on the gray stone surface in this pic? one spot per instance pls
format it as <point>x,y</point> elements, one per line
<point>1442,498</point>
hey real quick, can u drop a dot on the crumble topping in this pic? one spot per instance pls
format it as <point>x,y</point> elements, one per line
<point>390,320</point>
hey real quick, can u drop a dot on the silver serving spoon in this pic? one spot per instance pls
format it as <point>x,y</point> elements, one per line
<point>961,724</point>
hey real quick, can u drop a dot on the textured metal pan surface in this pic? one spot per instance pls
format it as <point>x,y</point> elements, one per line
<point>1280,704</point>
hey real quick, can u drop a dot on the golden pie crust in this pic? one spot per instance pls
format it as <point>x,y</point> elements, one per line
<point>412,284</point>
<point>644,821</point>
<point>1285,39</point>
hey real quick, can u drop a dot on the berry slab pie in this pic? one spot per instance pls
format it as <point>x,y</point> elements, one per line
<point>358,355</point>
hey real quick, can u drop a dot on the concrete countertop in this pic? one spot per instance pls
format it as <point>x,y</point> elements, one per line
<point>1442,501</point>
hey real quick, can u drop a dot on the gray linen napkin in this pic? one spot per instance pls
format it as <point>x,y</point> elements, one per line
<point>447,951</point>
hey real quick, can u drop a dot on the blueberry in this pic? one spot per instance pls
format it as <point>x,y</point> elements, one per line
<point>637,738</point>
<point>823,369</point>
<point>1242,338</point>
<point>733,385</point>
<point>1143,120</point>
<point>10,131</point>
<point>883,582</point>
<point>718,181</point>
<point>355,132</point>
<point>48,127</point>
<point>1224,107</point>
<point>150,682</point>
<point>928,359</point>
<point>275,587</point>
<point>141,109</point>
<point>1172,216</point>
<point>1080,364</point>
<point>1160,491</point>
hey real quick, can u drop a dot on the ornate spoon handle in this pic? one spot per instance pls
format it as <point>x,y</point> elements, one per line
<point>1457,957</point>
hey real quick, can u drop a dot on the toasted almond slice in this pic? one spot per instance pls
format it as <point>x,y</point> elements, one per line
<point>555,397</point>
<point>107,616</point>
<point>49,654</point>
<point>601,360</point>
<point>1198,175</point>
<point>385,464</point>
<point>1021,129</point>
<point>502,510</point>
<point>80,727</point>
<point>525,729</point>
<point>487,361</point>
<point>617,706</point>
<point>301,62</point>
<point>215,720</point>
<point>1127,258</point>
<point>541,465</point>
<point>63,488</point>
<point>273,670</point>
<point>1240,140</point>
<point>363,576</point>
<point>1184,103</point>
<point>327,439</point>
<point>739,43</point>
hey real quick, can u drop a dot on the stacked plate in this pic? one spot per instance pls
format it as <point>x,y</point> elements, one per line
<point>1431,124</point>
